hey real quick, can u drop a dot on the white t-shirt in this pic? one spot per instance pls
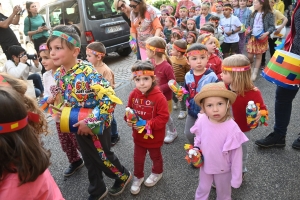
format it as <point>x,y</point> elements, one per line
<point>48,82</point>
<point>229,24</point>
<point>258,25</point>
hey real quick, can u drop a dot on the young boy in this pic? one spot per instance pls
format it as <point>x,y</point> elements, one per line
<point>183,13</point>
<point>219,34</point>
<point>219,10</point>
<point>176,34</point>
<point>231,26</point>
<point>180,67</point>
<point>95,54</point>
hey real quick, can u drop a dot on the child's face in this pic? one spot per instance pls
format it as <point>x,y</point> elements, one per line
<point>227,12</point>
<point>162,8</point>
<point>204,10</point>
<point>170,9</point>
<point>226,77</point>
<point>214,22</point>
<point>198,12</point>
<point>164,15</point>
<point>92,58</point>
<point>198,62</point>
<point>215,108</point>
<point>190,25</point>
<point>219,8</point>
<point>235,3</point>
<point>257,6</point>
<point>143,83</point>
<point>211,45</point>
<point>243,3</point>
<point>174,52</point>
<point>189,39</point>
<point>47,62</point>
<point>183,13</point>
<point>191,13</point>
<point>173,39</point>
<point>168,23</point>
<point>149,53</point>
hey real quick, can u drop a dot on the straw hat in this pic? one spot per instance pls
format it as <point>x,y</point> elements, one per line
<point>215,90</point>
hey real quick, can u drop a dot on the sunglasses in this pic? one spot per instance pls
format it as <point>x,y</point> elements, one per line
<point>122,6</point>
<point>22,55</point>
<point>133,6</point>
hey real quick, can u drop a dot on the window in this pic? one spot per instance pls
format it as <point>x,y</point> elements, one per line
<point>100,9</point>
<point>55,15</point>
<point>71,10</point>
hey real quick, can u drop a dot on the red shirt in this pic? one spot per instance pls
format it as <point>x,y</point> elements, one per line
<point>240,104</point>
<point>154,109</point>
<point>215,63</point>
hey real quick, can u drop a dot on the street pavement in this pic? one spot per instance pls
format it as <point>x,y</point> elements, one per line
<point>273,174</point>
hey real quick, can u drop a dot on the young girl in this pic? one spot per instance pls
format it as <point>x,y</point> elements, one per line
<point>243,13</point>
<point>261,25</point>
<point>191,25</point>
<point>164,15</point>
<point>197,11</point>
<point>81,86</point>
<point>214,62</point>
<point>220,139</point>
<point>205,15</point>
<point>169,24</point>
<point>180,67</point>
<point>150,104</point>
<point>24,161</point>
<point>183,27</point>
<point>237,75</point>
<point>176,34</point>
<point>155,49</point>
<point>235,4</point>
<point>195,79</point>
<point>191,38</point>
<point>67,140</point>
<point>95,54</point>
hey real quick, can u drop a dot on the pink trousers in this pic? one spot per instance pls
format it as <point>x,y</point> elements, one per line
<point>223,185</point>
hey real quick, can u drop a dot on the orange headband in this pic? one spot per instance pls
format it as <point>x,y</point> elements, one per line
<point>178,48</point>
<point>236,69</point>
<point>152,48</point>
<point>203,31</point>
<point>143,73</point>
<point>205,39</point>
<point>196,52</point>
<point>96,53</point>
<point>177,31</point>
<point>191,20</point>
<point>226,7</point>
<point>170,18</point>
<point>192,34</point>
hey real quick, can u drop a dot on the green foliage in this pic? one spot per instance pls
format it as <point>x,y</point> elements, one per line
<point>158,3</point>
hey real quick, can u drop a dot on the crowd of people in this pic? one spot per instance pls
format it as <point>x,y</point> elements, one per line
<point>200,47</point>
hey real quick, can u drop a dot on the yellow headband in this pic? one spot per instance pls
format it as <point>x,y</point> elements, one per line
<point>205,39</point>
<point>236,69</point>
<point>143,73</point>
<point>196,52</point>
<point>152,48</point>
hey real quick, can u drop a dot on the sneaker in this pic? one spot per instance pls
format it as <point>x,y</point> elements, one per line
<point>175,107</point>
<point>136,185</point>
<point>296,144</point>
<point>152,179</point>
<point>92,197</point>
<point>271,140</point>
<point>114,140</point>
<point>182,114</point>
<point>119,186</point>
<point>170,137</point>
<point>73,167</point>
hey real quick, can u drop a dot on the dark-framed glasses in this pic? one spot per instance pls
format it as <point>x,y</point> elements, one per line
<point>133,6</point>
<point>122,6</point>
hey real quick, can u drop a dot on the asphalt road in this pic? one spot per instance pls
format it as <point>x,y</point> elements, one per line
<point>273,174</point>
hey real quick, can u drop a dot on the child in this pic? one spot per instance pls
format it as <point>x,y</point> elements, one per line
<point>176,34</point>
<point>95,54</point>
<point>204,17</point>
<point>155,49</point>
<point>170,9</point>
<point>194,80</point>
<point>169,24</point>
<point>150,104</point>
<point>184,3</point>
<point>24,161</point>
<point>220,140</point>
<point>250,4</point>
<point>231,26</point>
<point>183,27</point>
<point>180,67</point>
<point>260,23</point>
<point>219,10</point>
<point>209,29</point>
<point>235,4</point>
<point>164,15</point>
<point>237,75</point>
<point>81,86</point>
<point>191,25</point>
<point>197,11</point>
<point>218,32</point>
<point>192,12</point>
<point>191,38</point>
<point>243,13</point>
<point>162,7</point>
<point>214,62</point>
<point>183,12</point>
<point>67,140</point>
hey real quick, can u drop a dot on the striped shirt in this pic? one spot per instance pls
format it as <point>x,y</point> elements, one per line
<point>180,67</point>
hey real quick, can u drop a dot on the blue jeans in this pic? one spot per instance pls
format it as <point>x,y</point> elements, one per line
<point>114,129</point>
<point>37,82</point>
<point>283,108</point>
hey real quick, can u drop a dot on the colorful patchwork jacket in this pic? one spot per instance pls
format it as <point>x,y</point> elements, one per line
<point>83,87</point>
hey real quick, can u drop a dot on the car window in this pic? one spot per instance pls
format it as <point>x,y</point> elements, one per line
<point>100,9</point>
<point>71,12</point>
<point>55,14</point>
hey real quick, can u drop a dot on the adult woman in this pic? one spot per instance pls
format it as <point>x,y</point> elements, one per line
<point>144,24</point>
<point>17,66</point>
<point>34,26</point>
<point>284,97</point>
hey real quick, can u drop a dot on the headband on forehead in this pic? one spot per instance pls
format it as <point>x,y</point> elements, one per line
<point>43,47</point>
<point>203,32</point>
<point>96,53</point>
<point>236,69</point>
<point>183,9</point>
<point>191,20</point>
<point>192,34</point>
<point>227,7</point>
<point>143,73</point>
<point>196,52</point>
<point>172,19</point>
<point>178,32</point>
<point>178,48</point>
<point>66,37</point>
<point>206,39</point>
<point>152,48</point>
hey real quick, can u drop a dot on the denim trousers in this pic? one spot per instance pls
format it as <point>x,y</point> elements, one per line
<point>37,82</point>
<point>283,108</point>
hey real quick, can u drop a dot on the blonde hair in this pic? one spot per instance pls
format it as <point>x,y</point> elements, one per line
<point>228,114</point>
<point>159,42</point>
<point>241,80</point>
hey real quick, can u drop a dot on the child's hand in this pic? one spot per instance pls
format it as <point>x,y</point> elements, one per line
<point>50,100</point>
<point>263,36</point>
<point>136,127</point>
<point>228,33</point>
<point>129,123</point>
<point>258,116</point>
<point>192,152</point>
<point>83,129</point>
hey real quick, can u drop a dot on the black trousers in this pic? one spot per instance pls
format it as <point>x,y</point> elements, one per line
<point>95,164</point>
<point>272,46</point>
<point>37,42</point>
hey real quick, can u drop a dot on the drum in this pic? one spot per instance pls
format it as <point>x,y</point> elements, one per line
<point>283,70</point>
<point>70,116</point>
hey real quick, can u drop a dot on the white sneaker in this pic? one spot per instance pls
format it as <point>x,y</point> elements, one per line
<point>182,114</point>
<point>136,185</point>
<point>170,137</point>
<point>175,107</point>
<point>152,179</point>
<point>254,74</point>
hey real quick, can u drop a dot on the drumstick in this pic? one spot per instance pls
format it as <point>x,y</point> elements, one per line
<point>54,108</point>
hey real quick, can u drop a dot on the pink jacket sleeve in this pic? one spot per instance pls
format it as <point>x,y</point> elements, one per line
<point>196,130</point>
<point>236,157</point>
